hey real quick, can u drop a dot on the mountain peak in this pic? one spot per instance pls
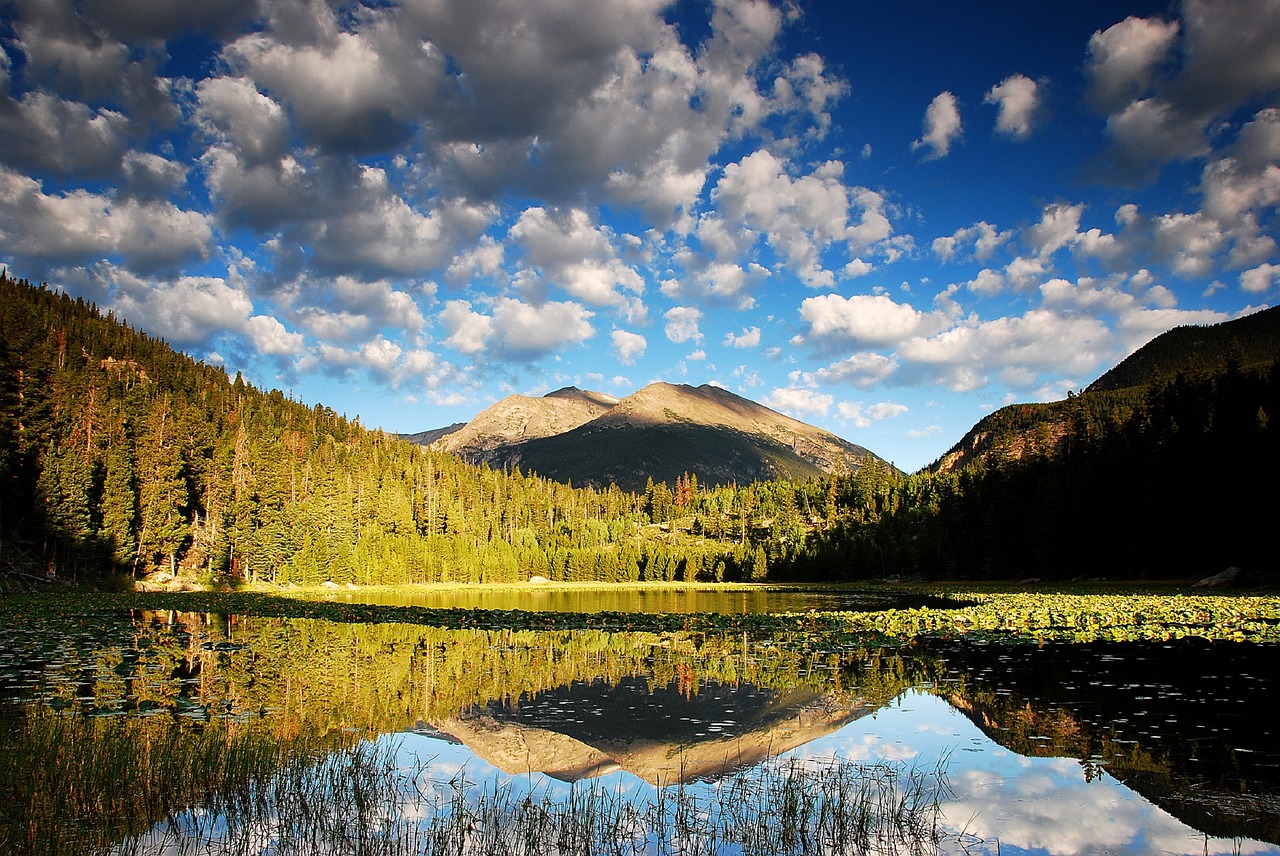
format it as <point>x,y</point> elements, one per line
<point>520,418</point>
<point>572,393</point>
<point>659,431</point>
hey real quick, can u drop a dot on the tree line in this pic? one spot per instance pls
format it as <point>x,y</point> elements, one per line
<point>1174,480</point>
<point>120,456</point>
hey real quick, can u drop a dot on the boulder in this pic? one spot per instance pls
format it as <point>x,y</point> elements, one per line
<point>538,580</point>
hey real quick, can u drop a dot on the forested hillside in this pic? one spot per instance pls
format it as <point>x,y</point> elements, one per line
<point>1179,484</point>
<point>118,454</point>
<point>1021,429</point>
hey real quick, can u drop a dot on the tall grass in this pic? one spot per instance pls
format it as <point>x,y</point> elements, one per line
<point>77,785</point>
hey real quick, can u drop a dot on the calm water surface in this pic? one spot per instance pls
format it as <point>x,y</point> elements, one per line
<point>559,599</point>
<point>1123,749</point>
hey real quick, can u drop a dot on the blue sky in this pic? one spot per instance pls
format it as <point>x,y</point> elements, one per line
<point>884,219</point>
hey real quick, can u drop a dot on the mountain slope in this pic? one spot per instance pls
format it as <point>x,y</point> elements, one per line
<point>1020,429</point>
<point>1257,335</point>
<point>520,418</point>
<point>656,733</point>
<point>659,432</point>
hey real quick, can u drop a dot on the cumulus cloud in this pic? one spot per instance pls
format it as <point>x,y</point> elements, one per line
<point>748,338</point>
<point>1166,84</point>
<point>964,357</point>
<point>571,252</point>
<point>865,319</point>
<point>978,241</point>
<point>942,126</point>
<point>800,216</point>
<point>515,331</point>
<point>233,110</point>
<point>193,312</point>
<point>79,227</point>
<point>863,370</point>
<point>861,416</point>
<point>799,402</point>
<point>1124,60</point>
<point>1018,99</point>
<point>1260,279</point>
<point>628,346</point>
<point>350,91</point>
<point>45,133</point>
<point>682,324</point>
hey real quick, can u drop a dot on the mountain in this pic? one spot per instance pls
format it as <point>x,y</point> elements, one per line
<point>661,734</point>
<point>521,418</point>
<point>1020,429</point>
<point>426,438</point>
<point>661,432</point>
<point>1257,337</point>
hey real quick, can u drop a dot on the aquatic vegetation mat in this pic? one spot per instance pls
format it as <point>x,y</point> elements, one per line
<point>1057,615</point>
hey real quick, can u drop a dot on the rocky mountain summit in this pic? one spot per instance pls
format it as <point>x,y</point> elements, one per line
<point>658,432</point>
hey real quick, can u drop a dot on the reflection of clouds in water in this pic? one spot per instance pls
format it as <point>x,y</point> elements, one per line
<point>1000,802</point>
<point>1046,804</point>
<point>1012,801</point>
<point>862,748</point>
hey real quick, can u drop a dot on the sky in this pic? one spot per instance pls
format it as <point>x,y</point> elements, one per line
<point>885,219</point>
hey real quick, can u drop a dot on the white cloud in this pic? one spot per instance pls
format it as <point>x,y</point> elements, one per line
<point>44,133</point>
<point>979,241</point>
<point>862,370</point>
<point>1260,279</point>
<point>515,331</point>
<point>748,338</point>
<point>964,357</point>
<point>799,402</point>
<point>79,227</point>
<point>573,253</point>
<point>1124,60</point>
<point>987,282</point>
<point>1018,100</point>
<point>942,126</point>
<point>865,319</point>
<point>628,346</point>
<point>861,416</point>
<point>357,90</point>
<point>798,216</point>
<point>192,312</point>
<point>469,331</point>
<point>682,324</point>
<point>1059,226</point>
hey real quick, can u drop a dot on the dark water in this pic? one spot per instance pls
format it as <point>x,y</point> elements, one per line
<point>1057,749</point>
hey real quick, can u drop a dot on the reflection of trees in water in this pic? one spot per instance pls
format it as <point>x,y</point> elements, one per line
<point>1187,725</point>
<point>307,675</point>
<point>300,678</point>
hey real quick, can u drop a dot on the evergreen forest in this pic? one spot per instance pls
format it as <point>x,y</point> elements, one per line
<point>120,457</point>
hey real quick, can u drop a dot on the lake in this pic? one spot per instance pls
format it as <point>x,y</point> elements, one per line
<point>1129,748</point>
<point>648,599</point>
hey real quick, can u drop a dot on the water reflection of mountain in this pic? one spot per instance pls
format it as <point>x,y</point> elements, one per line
<point>683,731</point>
<point>1188,725</point>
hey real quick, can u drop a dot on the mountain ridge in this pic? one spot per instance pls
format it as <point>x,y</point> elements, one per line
<point>1017,430</point>
<point>658,432</point>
